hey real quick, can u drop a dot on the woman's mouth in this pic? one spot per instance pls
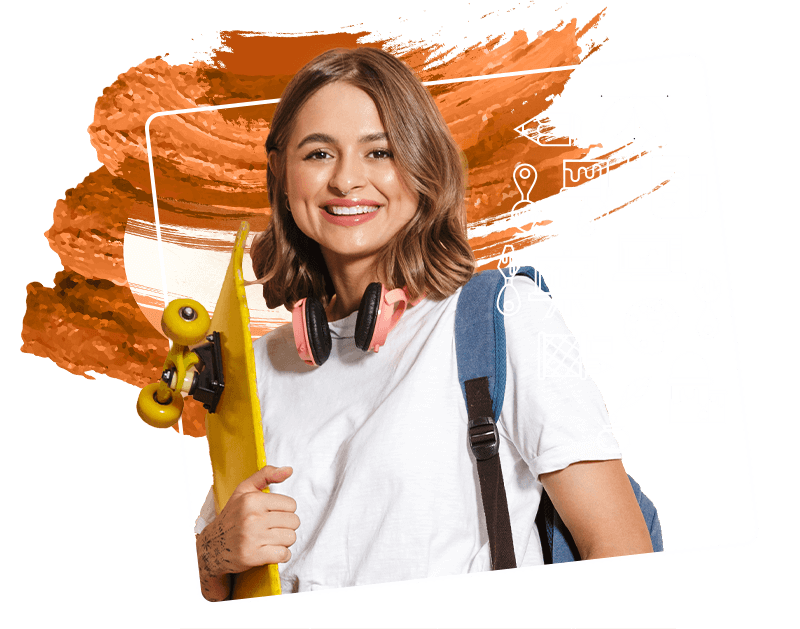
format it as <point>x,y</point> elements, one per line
<point>349,215</point>
<point>343,210</point>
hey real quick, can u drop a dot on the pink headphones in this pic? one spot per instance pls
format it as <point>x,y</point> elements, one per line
<point>379,312</point>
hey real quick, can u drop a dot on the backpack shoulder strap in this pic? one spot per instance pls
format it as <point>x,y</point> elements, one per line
<point>481,356</point>
<point>481,330</point>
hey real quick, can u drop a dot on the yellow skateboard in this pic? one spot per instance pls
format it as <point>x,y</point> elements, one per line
<point>213,361</point>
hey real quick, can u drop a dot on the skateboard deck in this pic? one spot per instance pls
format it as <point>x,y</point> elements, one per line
<point>214,362</point>
<point>235,436</point>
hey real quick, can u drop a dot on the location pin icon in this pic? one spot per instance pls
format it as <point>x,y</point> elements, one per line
<point>525,211</point>
<point>525,178</point>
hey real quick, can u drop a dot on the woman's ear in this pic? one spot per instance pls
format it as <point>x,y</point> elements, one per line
<point>272,162</point>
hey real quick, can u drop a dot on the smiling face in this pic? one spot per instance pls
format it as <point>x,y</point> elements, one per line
<point>345,191</point>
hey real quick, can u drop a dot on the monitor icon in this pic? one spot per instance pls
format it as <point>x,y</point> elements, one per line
<point>649,258</point>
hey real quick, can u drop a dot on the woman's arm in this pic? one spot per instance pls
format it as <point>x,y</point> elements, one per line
<point>597,503</point>
<point>254,529</point>
<point>214,584</point>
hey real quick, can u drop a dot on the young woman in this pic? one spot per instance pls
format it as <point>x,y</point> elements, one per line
<point>367,186</point>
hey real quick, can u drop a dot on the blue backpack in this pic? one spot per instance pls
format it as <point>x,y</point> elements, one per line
<point>481,355</point>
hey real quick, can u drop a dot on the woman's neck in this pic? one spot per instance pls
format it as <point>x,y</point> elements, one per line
<point>350,279</point>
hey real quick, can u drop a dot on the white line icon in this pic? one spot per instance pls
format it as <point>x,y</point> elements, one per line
<point>525,211</point>
<point>514,302</point>
<point>691,398</point>
<point>629,134</point>
<point>574,355</point>
<point>645,323</point>
<point>579,176</point>
<point>707,290</point>
<point>560,357</point>
<point>677,193</point>
<point>553,128</point>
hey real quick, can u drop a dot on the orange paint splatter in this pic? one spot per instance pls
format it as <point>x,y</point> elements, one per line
<point>210,173</point>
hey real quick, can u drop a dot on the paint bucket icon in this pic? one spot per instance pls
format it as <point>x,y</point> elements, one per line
<point>691,398</point>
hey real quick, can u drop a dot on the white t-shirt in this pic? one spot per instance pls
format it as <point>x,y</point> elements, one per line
<point>384,479</point>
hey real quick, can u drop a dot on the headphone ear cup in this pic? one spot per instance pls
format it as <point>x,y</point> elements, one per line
<point>319,334</point>
<point>368,315</point>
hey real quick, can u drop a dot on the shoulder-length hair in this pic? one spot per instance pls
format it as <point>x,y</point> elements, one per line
<point>430,255</point>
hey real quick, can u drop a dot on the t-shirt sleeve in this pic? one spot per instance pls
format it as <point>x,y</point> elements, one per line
<point>553,412</point>
<point>208,513</point>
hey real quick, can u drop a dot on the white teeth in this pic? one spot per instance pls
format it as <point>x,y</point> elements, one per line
<point>341,210</point>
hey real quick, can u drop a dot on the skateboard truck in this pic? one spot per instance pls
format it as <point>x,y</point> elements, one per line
<point>207,382</point>
<point>196,372</point>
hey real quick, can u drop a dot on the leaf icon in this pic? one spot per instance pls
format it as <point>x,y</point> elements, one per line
<point>634,391</point>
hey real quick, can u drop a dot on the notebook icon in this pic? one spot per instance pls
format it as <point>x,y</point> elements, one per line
<point>649,258</point>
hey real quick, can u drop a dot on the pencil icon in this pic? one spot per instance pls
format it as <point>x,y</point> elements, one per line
<point>551,128</point>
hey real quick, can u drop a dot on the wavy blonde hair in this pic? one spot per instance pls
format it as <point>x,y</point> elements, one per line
<point>430,255</point>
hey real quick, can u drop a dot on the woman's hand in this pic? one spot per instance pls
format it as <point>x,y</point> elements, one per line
<point>254,529</point>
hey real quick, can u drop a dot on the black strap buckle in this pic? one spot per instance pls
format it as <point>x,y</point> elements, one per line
<point>483,438</point>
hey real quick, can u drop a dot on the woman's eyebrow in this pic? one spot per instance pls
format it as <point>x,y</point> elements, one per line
<point>373,137</point>
<point>324,138</point>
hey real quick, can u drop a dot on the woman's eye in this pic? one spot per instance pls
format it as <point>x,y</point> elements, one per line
<point>318,154</point>
<point>322,154</point>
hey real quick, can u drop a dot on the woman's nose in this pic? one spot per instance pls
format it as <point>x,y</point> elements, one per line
<point>348,175</point>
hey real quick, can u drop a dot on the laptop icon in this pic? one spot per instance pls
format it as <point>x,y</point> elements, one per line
<point>649,258</point>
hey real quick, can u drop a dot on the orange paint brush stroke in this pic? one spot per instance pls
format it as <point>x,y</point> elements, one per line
<point>211,172</point>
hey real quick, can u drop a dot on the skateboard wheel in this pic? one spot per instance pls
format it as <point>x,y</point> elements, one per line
<point>185,321</point>
<point>156,414</point>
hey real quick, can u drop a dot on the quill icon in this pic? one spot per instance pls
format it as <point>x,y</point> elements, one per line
<point>633,393</point>
<point>514,302</point>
